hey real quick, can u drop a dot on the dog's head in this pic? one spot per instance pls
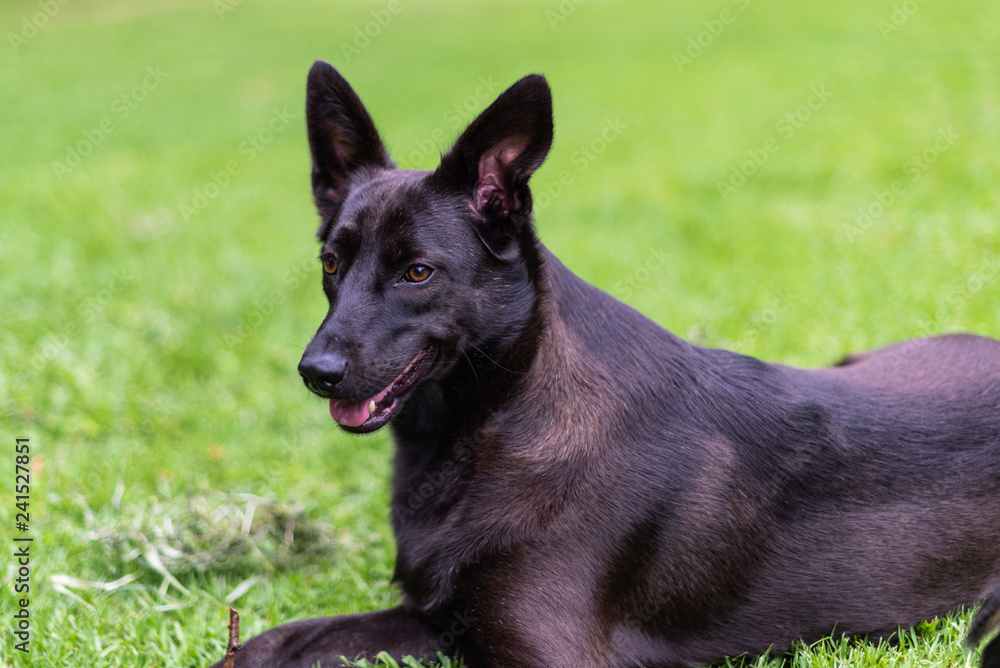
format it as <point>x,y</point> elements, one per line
<point>419,267</point>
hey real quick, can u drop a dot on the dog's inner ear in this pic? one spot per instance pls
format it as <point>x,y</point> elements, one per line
<point>342,138</point>
<point>495,186</point>
<point>493,159</point>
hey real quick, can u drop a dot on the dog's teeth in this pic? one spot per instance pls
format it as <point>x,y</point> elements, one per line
<point>371,406</point>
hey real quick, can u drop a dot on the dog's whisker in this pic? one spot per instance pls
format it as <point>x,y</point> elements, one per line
<point>493,361</point>
<point>473,367</point>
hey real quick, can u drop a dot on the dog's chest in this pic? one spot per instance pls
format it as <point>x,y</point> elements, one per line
<point>456,511</point>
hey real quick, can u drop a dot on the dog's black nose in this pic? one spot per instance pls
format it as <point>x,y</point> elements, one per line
<point>322,371</point>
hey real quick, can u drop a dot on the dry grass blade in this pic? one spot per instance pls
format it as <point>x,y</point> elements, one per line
<point>211,531</point>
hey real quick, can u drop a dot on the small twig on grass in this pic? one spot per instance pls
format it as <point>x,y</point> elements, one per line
<point>234,639</point>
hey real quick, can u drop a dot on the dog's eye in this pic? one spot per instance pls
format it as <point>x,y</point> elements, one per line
<point>329,263</point>
<point>418,273</point>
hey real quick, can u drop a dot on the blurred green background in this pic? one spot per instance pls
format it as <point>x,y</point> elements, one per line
<point>791,180</point>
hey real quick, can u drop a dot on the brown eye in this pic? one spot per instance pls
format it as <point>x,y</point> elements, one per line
<point>329,263</point>
<point>418,273</point>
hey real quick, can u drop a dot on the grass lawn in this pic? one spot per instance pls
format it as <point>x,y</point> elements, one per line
<point>793,180</point>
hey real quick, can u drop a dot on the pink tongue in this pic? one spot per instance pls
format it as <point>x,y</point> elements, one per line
<point>349,413</point>
<point>354,413</point>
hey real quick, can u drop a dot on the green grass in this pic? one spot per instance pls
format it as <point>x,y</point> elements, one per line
<point>149,354</point>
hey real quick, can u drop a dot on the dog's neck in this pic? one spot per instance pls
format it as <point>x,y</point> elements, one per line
<point>562,339</point>
<point>489,407</point>
<point>506,420</point>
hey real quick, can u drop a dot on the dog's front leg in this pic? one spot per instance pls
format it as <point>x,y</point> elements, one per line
<point>399,631</point>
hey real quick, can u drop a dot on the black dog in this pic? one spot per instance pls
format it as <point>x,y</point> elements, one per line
<point>575,486</point>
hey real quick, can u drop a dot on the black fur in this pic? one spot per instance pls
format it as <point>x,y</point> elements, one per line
<point>574,485</point>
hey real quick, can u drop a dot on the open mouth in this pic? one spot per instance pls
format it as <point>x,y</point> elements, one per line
<point>369,414</point>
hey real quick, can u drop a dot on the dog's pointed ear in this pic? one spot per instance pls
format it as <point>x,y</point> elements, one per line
<point>493,159</point>
<point>342,138</point>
